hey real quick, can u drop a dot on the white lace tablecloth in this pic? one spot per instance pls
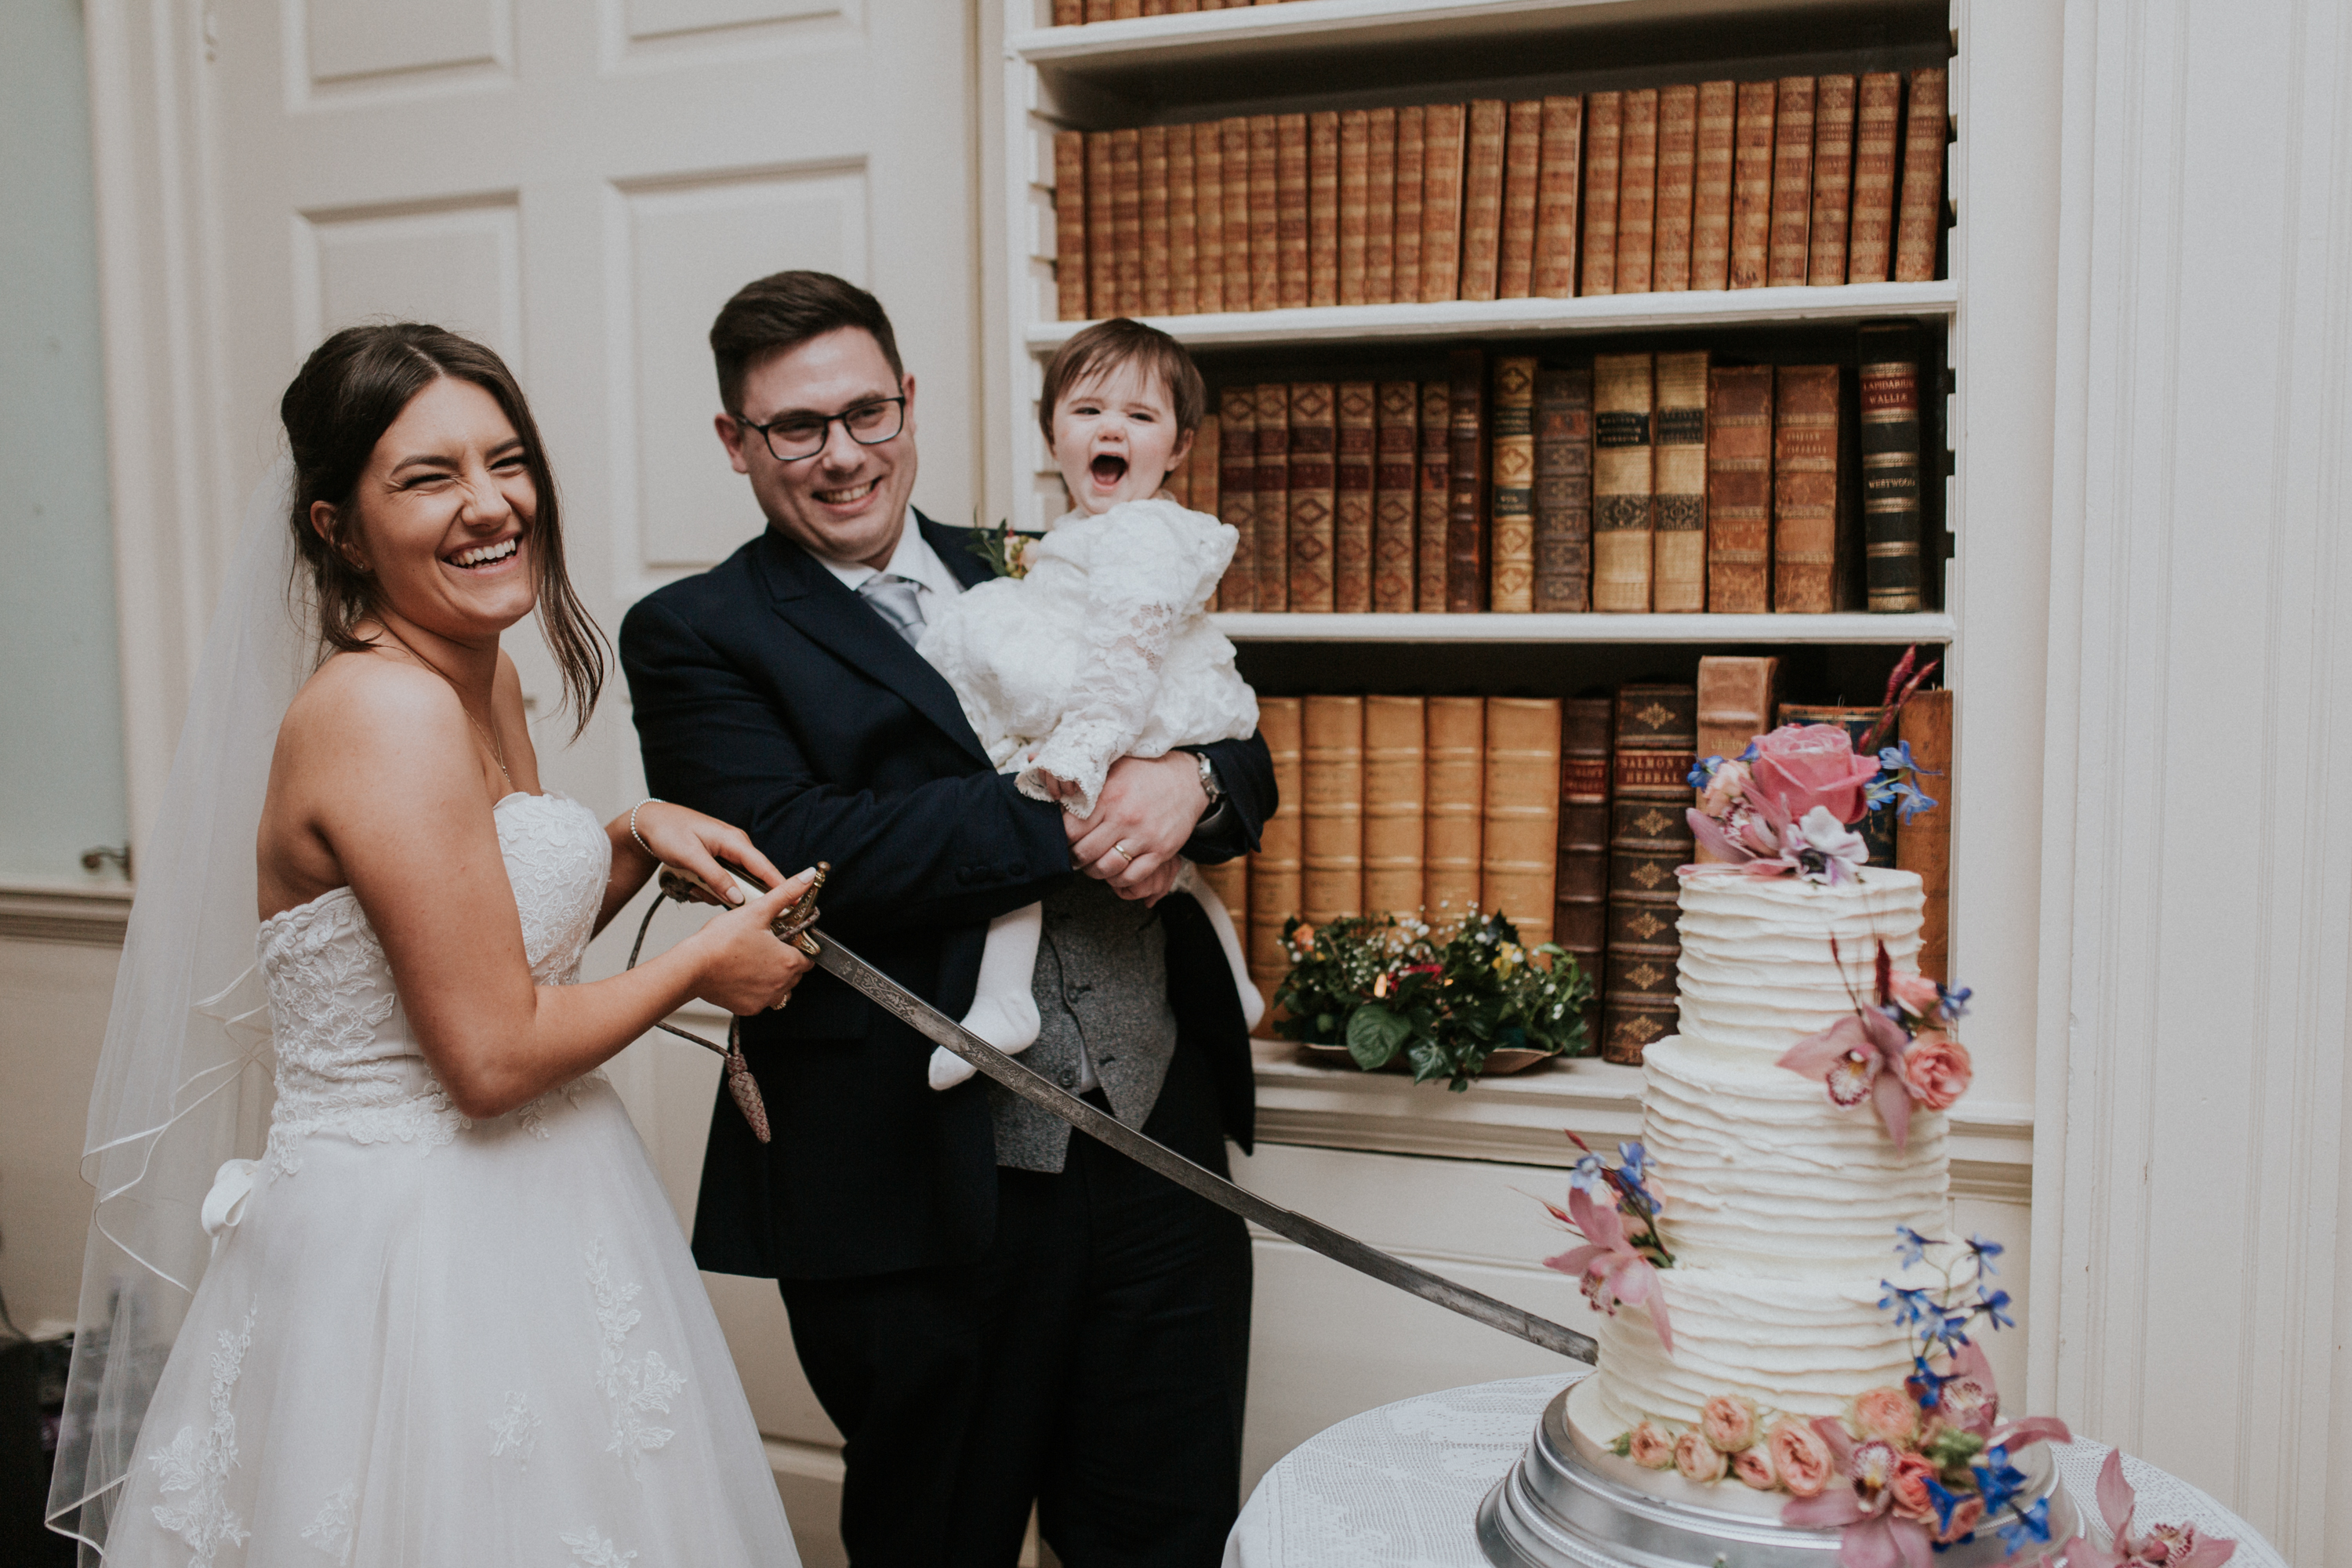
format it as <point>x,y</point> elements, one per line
<point>1398,1487</point>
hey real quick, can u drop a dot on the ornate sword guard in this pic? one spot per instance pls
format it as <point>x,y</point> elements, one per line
<point>793,921</point>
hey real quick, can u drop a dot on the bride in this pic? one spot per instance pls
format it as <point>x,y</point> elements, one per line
<point>446,1316</point>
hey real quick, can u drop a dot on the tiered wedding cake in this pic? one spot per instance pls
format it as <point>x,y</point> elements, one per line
<point>1780,1206</point>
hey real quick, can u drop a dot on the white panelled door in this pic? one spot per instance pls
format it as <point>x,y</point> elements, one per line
<point>582,183</point>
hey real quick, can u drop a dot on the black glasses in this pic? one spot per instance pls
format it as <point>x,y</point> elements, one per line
<point>797,437</point>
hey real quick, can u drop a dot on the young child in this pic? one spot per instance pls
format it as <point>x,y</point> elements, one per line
<point>1103,649</point>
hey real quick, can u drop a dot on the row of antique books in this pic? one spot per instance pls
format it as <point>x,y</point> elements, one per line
<point>1565,815</point>
<point>1629,483</point>
<point>1805,180</point>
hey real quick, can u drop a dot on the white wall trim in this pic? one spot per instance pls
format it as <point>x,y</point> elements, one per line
<point>87,915</point>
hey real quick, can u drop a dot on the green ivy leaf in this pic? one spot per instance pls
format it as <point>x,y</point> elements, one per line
<point>1374,1034</point>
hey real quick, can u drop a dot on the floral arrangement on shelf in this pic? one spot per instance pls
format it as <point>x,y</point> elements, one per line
<point>1786,804</point>
<point>1444,998</point>
<point>1614,1209</point>
<point>1006,552</point>
<point>1896,1050</point>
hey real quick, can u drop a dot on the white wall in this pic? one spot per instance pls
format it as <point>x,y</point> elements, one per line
<point>61,690</point>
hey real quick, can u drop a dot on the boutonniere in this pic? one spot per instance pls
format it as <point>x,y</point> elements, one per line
<point>1006,553</point>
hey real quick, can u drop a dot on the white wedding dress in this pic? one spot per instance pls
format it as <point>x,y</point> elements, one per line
<point>429,1342</point>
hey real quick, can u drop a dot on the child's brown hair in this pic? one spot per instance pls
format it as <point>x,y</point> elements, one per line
<point>1108,345</point>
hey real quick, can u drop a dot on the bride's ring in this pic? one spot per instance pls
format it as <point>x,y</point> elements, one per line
<point>778,1005</point>
<point>1121,849</point>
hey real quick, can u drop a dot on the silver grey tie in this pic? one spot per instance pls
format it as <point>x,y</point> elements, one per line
<point>894,598</point>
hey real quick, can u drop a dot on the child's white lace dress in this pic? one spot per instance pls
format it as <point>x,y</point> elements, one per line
<point>1104,649</point>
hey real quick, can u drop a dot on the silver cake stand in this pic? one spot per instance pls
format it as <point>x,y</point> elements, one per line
<point>1570,1503</point>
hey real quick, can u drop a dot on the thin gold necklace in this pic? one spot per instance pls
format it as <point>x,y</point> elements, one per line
<point>498,755</point>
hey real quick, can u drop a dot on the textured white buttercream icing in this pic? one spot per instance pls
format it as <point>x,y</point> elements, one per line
<point>1780,1207</point>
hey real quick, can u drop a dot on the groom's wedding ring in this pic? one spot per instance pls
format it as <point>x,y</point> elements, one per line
<point>1121,848</point>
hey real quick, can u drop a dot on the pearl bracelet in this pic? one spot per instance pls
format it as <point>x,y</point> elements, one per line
<point>648,849</point>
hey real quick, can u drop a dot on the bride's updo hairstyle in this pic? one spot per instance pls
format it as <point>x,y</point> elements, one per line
<point>345,397</point>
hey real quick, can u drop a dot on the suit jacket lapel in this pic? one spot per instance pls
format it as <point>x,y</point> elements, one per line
<point>813,600</point>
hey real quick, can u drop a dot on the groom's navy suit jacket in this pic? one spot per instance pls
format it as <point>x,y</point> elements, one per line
<point>771,696</point>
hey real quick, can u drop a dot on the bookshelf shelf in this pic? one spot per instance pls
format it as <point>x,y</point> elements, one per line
<point>1529,318</point>
<point>1256,33</point>
<point>1646,630</point>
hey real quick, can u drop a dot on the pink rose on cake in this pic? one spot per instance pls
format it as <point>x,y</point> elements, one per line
<point>1890,1413</point>
<point>1799,767</point>
<point>1697,1458</point>
<point>1801,1456</point>
<point>1936,1071</point>
<point>1650,1449</point>
<point>1730,1421</point>
<point>1753,1466</point>
<point>1909,1486</point>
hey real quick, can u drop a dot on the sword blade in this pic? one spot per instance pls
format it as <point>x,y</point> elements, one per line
<point>1315,1236</point>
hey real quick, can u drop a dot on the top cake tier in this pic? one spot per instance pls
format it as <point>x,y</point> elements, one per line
<point>1757,971</point>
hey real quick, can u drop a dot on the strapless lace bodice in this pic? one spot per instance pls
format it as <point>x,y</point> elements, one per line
<point>346,1060</point>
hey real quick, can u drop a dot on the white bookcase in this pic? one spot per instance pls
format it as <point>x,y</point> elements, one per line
<point>1360,1147</point>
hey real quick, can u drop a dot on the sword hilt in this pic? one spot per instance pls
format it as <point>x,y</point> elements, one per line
<point>791,927</point>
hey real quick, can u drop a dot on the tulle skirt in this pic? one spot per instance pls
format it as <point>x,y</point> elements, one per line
<point>495,1352</point>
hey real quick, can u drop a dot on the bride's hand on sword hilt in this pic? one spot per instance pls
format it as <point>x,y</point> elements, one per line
<point>789,926</point>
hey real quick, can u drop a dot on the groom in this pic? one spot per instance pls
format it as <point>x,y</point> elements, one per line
<point>993,1310</point>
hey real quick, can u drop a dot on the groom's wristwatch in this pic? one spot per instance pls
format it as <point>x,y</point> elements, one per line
<point>1210,787</point>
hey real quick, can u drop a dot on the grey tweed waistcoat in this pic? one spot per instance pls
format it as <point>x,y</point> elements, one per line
<point>1101,981</point>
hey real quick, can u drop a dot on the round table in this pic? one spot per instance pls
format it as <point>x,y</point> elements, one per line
<point>1401,1485</point>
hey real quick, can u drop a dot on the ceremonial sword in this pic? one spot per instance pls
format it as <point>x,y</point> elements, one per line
<point>797,926</point>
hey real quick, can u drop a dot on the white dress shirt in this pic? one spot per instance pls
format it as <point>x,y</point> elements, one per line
<point>914,560</point>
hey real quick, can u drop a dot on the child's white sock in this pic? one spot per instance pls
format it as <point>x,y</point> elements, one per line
<point>1002,1013</point>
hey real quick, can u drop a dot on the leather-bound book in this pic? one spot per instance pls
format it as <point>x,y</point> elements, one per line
<point>1412,165</point>
<point>1207,465</point>
<point>1511,505</point>
<point>1177,483</point>
<point>1649,837</point>
<point>1919,219</point>
<point>1355,204</point>
<point>1751,185</point>
<point>1522,173</point>
<point>1807,550</point>
<point>1622,477</point>
<point>1711,171</point>
<point>1314,440</point>
<point>1379,205</point>
<point>1332,788</point>
<point>1097,10</point>
<point>1273,496</point>
<point>1127,218</point>
<point>1102,240</point>
<point>1604,146</point>
<point>1465,510</point>
<point>1265,211</point>
<point>1877,129</point>
<point>1454,807</point>
<point>1563,491</point>
<point>1069,13</point>
<point>1670,267</point>
<point>1893,572</point>
<point>1395,496</point>
<point>1234,139</point>
<point>1923,844</point>
<point>1293,218</point>
<point>1878,828</point>
<point>1735,706</point>
<point>1581,880</point>
<point>1395,784</point>
<point>1482,198</point>
<point>1323,208</point>
<point>1444,137</point>
<point>1792,184</point>
<point>1637,192</point>
<point>1237,493</point>
<point>1678,549</point>
<point>1274,868</point>
<point>1126,10</point>
<point>1434,497</point>
<point>1519,856</point>
<point>1070,225</point>
<point>1183,224</point>
<point>1740,490</point>
<point>1151,144</point>
<point>1209,216</point>
<point>1737,699</point>
<point>1351,484</point>
<point>1558,182</point>
<point>1833,179</point>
